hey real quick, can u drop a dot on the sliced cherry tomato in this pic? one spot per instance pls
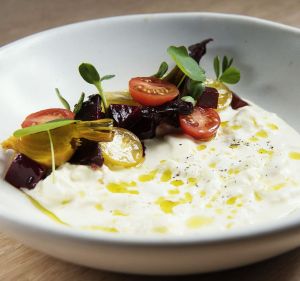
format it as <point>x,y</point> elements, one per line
<point>202,123</point>
<point>47,115</point>
<point>152,91</point>
<point>125,150</point>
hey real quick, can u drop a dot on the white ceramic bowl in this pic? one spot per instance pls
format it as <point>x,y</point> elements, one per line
<point>267,54</point>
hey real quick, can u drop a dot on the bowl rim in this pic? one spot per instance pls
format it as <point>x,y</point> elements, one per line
<point>277,228</point>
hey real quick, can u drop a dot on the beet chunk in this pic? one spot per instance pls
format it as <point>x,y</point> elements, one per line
<point>88,153</point>
<point>209,98</point>
<point>125,116</point>
<point>91,109</point>
<point>24,172</point>
<point>237,102</point>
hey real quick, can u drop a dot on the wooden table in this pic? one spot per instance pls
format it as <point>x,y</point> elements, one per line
<point>19,18</point>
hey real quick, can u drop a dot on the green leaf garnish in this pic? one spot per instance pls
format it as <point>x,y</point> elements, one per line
<point>107,77</point>
<point>163,68</point>
<point>78,105</point>
<point>195,88</point>
<point>62,99</point>
<point>90,74</point>
<point>52,155</point>
<point>189,99</point>
<point>186,64</point>
<point>231,75</point>
<point>224,63</point>
<point>43,127</point>
<point>217,66</point>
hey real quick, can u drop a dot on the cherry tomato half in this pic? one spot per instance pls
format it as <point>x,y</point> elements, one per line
<point>202,123</point>
<point>152,91</point>
<point>47,115</point>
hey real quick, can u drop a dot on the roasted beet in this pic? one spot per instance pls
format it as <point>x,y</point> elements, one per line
<point>197,51</point>
<point>143,120</point>
<point>88,153</point>
<point>24,172</point>
<point>209,98</point>
<point>125,116</point>
<point>237,102</point>
<point>91,109</point>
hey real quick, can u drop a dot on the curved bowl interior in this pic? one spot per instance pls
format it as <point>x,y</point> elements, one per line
<point>266,53</point>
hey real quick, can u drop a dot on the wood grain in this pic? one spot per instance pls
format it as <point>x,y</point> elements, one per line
<point>19,18</point>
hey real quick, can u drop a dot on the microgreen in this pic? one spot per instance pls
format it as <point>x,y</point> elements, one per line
<point>163,68</point>
<point>229,74</point>
<point>78,105</point>
<point>52,155</point>
<point>195,88</point>
<point>186,64</point>
<point>43,127</point>
<point>90,74</point>
<point>62,99</point>
<point>189,99</point>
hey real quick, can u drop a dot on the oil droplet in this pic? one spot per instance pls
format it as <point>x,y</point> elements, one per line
<point>224,124</point>
<point>163,161</point>
<point>166,175</point>
<point>230,217</point>
<point>294,155</point>
<point>264,151</point>
<point>254,122</point>
<point>278,186</point>
<point>201,147</point>
<point>99,207</point>
<point>148,177</point>
<point>234,145</point>
<point>119,213</point>
<point>262,134</point>
<point>122,187</point>
<point>229,225</point>
<point>257,196</point>
<point>174,191</point>
<point>65,202</point>
<point>192,181</point>
<point>177,182</point>
<point>232,200</point>
<point>272,126</point>
<point>188,198</point>
<point>208,205</point>
<point>45,211</point>
<point>81,194</point>
<point>236,127</point>
<point>166,205</point>
<point>213,149</point>
<point>101,228</point>
<point>233,171</point>
<point>253,139</point>
<point>202,193</point>
<point>219,211</point>
<point>212,165</point>
<point>160,229</point>
<point>198,221</point>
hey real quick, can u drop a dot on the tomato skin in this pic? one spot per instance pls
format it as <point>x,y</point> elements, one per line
<point>47,115</point>
<point>202,123</point>
<point>152,91</point>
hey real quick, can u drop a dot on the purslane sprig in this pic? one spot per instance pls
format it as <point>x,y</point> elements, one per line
<point>226,73</point>
<point>90,74</point>
<point>163,68</point>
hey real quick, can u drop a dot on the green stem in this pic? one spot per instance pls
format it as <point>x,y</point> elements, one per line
<point>52,156</point>
<point>180,82</point>
<point>99,87</point>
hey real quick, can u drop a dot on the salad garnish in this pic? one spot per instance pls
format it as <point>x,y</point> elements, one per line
<point>108,129</point>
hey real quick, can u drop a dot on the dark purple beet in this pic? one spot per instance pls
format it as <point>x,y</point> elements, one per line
<point>143,120</point>
<point>91,109</point>
<point>24,172</point>
<point>125,116</point>
<point>88,153</point>
<point>237,102</point>
<point>209,98</point>
<point>197,51</point>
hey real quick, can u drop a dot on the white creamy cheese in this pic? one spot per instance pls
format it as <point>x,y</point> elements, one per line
<point>249,174</point>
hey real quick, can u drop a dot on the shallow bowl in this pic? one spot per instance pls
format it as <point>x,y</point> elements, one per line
<point>267,54</point>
